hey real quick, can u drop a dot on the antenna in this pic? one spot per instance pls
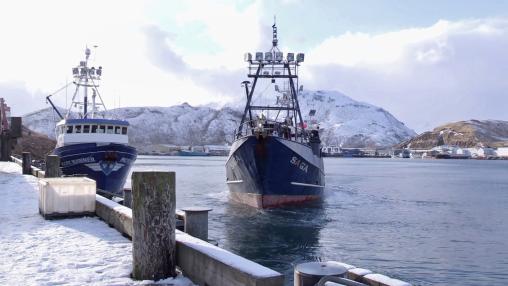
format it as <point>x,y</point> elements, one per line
<point>274,27</point>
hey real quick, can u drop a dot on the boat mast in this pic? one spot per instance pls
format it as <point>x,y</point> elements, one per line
<point>86,77</point>
<point>85,97</point>
<point>272,65</point>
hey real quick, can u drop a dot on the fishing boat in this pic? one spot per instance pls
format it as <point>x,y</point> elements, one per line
<point>88,142</point>
<point>275,160</point>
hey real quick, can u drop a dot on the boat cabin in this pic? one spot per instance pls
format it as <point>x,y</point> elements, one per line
<point>73,131</point>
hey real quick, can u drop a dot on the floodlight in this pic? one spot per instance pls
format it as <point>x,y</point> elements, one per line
<point>82,63</point>
<point>278,56</point>
<point>291,57</point>
<point>300,57</point>
<point>259,56</point>
<point>247,57</point>
<point>99,71</point>
<point>268,56</point>
<point>83,71</point>
<point>92,71</point>
<point>75,71</point>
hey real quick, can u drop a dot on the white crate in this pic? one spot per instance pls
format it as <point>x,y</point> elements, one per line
<point>63,197</point>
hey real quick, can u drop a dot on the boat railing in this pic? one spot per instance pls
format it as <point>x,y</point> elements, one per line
<point>268,127</point>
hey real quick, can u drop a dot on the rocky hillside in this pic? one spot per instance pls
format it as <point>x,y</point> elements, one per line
<point>36,143</point>
<point>343,121</point>
<point>471,133</point>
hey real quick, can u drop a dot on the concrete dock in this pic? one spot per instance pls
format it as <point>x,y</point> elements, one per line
<point>78,251</point>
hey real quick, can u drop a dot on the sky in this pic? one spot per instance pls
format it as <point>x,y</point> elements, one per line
<point>426,62</point>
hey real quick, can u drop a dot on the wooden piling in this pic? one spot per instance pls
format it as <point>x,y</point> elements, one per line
<point>27,163</point>
<point>52,166</point>
<point>5,147</point>
<point>16,127</point>
<point>127,197</point>
<point>153,218</point>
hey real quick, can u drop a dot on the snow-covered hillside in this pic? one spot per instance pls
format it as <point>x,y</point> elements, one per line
<point>351,123</point>
<point>343,121</point>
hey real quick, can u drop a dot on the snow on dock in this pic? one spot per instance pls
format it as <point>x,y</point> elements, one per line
<point>75,251</point>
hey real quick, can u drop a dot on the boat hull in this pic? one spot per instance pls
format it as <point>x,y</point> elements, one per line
<point>107,164</point>
<point>272,171</point>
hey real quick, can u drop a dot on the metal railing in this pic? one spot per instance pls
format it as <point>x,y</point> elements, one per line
<point>268,127</point>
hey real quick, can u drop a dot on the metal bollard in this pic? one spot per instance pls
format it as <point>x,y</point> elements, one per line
<point>196,222</point>
<point>309,274</point>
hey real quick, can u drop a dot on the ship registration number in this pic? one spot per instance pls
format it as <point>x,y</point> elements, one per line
<point>299,164</point>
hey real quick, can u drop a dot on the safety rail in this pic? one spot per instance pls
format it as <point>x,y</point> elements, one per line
<point>265,127</point>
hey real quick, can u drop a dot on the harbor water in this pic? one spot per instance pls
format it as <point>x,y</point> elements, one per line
<point>428,222</point>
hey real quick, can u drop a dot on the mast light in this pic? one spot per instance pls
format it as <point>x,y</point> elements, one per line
<point>278,56</point>
<point>268,56</point>
<point>300,57</point>
<point>259,56</point>
<point>247,57</point>
<point>291,57</point>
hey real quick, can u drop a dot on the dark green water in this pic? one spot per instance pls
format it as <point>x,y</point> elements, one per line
<point>428,222</point>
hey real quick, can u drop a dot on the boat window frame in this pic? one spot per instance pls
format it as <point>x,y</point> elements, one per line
<point>110,127</point>
<point>118,130</point>
<point>86,128</point>
<point>94,128</point>
<point>77,129</point>
<point>102,129</point>
<point>124,130</point>
<point>69,129</point>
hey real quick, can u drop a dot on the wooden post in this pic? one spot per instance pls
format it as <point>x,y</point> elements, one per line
<point>5,147</point>
<point>196,222</point>
<point>153,219</point>
<point>27,163</point>
<point>127,197</point>
<point>16,128</point>
<point>52,166</point>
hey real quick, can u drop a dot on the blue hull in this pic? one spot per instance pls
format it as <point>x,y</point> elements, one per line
<point>108,165</point>
<point>273,171</point>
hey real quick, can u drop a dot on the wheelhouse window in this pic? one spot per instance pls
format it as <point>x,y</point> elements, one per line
<point>86,128</point>
<point>102,129</point>
<point>77,129</point>
<point>69,128</point>
<point>110,129</point>
<point>118,129</point>
<point>124,130</point>
<point>94,128</point>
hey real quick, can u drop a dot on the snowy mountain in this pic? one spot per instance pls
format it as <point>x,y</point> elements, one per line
<point>343,121</point>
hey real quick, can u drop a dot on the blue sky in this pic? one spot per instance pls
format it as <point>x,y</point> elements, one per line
<point>427,62</point>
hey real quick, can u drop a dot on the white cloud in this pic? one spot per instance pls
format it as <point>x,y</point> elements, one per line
<point>425,76</point>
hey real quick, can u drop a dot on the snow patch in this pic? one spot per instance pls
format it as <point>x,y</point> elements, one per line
<point>75,251</point>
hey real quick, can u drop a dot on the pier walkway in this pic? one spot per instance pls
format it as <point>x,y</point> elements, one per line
<point>78,251</point>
